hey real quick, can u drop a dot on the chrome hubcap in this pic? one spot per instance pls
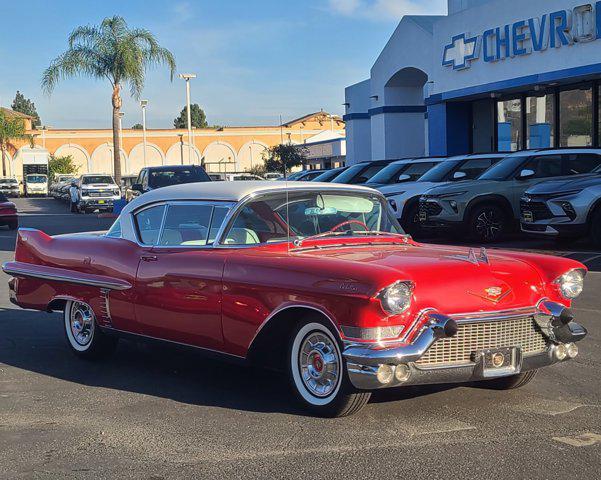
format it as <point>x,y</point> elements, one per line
<point>488,225</point>
<point>319,365</point>
<point>82,323</point>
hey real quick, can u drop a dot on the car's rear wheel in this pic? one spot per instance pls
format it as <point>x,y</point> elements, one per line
<point>84,337</point>
<point>596,227</point>
<point>510,383</point>
<point>488,223</point>
<point>318,373</point>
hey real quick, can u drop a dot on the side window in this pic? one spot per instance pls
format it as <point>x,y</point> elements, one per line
<point>416,170</point>
<point>115,230</point>
<point>186,225</point>
<point>475,167</point>
<point>544,166</point>
<point>148,224</point>
<point>581,163</point>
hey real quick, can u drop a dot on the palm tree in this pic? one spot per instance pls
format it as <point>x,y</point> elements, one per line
<point>11,128</point>
<point>111,51</point>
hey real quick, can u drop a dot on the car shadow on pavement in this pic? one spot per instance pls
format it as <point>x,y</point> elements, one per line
<point>35,342</point>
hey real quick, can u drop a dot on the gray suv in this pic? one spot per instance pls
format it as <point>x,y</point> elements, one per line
<point>489,207</point>
<point>564,209</point>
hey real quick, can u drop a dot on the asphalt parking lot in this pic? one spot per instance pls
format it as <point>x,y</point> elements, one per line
<point>159,413</point>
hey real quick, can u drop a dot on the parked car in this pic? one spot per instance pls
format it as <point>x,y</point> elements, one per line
<point>361,172</point>
<point>8,213</point>
<point>241,177</point>
<point>151,178</point>
<point>489,207</point>
<point>303,176</point>
<point>404,197</point>
<point>59,181</point>
<point>329,175</point>
<point>96,192</point>
<point>401,171</point>
<point>35,184</point>
<point>315,279</point>
<point>564,209</point>
<point>273,176</point>
<point>9,187</point>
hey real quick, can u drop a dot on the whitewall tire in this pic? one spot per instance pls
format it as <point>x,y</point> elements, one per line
<point>84,337</point>
<point>318,372</point>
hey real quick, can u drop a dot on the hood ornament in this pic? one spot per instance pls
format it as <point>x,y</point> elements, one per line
<point>472,257</point>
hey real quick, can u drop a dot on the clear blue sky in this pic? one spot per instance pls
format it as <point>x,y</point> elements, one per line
<point>254,59</point>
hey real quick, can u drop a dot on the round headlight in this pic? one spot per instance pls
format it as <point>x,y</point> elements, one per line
<point>396,298</point>
<point>571,283</point>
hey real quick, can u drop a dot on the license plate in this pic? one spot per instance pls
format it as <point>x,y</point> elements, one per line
<point>500,362</point>
<point>528,216</point>
<point>101,201</point>
<point>423,216</point>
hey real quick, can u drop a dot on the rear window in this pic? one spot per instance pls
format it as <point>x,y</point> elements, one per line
<point>97,179</point>
<point>177,176</point>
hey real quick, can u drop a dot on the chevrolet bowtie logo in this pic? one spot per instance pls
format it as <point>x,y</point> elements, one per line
<point>461,51</point>
<point>492,294</point>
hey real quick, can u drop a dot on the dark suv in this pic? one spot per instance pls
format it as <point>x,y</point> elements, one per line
<point>151,178</point>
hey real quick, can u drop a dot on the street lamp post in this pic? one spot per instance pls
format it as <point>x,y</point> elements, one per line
<point>181,147</point>
<point>143,104</point>
<point>187,77</point>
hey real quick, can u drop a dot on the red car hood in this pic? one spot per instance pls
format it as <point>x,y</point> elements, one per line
<point>446,279</point>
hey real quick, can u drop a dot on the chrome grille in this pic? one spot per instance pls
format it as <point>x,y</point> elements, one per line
<point>472,337</point>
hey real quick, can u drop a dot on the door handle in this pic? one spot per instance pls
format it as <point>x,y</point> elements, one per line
<point>149,258</point>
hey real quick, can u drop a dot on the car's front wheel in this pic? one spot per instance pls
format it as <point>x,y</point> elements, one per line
<point>318,374</point>
<point>84,337</point>
<point>488,223</point>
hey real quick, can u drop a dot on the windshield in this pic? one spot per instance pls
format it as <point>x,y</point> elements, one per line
<point>359,173</point>
<point>36,179</point>
<point>7,181</point>
<point>177,176</point>
<point>503,169</point>
<point>97,179</point>
<point>328,175</point>
<point>440,171</point>
<point>392,172</point>
<point>309,214</point>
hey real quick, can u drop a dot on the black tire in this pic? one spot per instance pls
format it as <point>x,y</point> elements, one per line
<point>596,227</point>
<point>343,399</point>
<point>13,225</point>
<point>488,223</point>
<point>509,383</point>
<point>84,337</point>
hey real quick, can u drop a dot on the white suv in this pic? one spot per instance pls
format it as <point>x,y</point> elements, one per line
<point>404,197</point>
<point>97,192</point>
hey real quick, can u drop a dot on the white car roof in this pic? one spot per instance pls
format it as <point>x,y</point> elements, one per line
<point>232,191</point>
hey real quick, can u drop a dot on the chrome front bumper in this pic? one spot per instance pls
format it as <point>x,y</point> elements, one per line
<point>365,361</point>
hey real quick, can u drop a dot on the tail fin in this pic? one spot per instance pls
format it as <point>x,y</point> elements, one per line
<point>29,241</point>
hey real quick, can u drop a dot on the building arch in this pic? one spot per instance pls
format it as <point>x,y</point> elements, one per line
<point>154,157</point>
<point>101,160</point>
<point>80,156</point>
<point>220,157</point>
<point>251,154</point>
<point>179,154</point>
<point>11,170</point>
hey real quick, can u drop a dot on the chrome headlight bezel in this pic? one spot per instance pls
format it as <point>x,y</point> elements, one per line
<point>396,298</point>
<point>571,283</point>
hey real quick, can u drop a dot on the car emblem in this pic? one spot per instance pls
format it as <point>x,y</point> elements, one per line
<point>492,294</point>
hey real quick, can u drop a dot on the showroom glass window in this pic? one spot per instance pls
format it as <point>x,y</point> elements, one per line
<point>540,121</point>
<point>509,125</point>
<point>576,118</point>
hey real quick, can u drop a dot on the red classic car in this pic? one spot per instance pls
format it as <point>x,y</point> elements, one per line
<point>8,213</point>
<point>317,279</point>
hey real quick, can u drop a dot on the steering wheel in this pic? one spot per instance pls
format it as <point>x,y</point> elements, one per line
<point>350,222</point>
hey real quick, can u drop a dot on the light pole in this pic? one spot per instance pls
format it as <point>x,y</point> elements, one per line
<point>120,146</point>
<point>143,104</point>
<point>250,152</point>
<point>187,77</point>
<point>181,147</point>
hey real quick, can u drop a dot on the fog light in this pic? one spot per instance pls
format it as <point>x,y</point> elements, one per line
<point>561,352</point>
<point>572,350</point>
<point>402,372</point>
<point>385,374</point>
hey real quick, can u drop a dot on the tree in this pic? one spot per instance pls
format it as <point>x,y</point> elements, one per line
<point>26,106</point>
<point>282,158</point>
<point>57,165</point>
<point>111,51</point>
<point>11,128</point>
<point>137,126</point>
<point>198,117</point>
<point>259,170</point>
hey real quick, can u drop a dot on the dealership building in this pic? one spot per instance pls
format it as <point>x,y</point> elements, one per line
<point>492,75</point>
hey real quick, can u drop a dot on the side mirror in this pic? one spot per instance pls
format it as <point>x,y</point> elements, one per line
<point>525,174</point>
<point>137,187</point>
<point>404,178</point>
<point>459,175</point>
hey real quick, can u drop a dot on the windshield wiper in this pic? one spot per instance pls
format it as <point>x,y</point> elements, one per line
<point>348,233</point>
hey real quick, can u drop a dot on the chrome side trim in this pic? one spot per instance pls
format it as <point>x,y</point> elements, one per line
<point>57,277</point>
